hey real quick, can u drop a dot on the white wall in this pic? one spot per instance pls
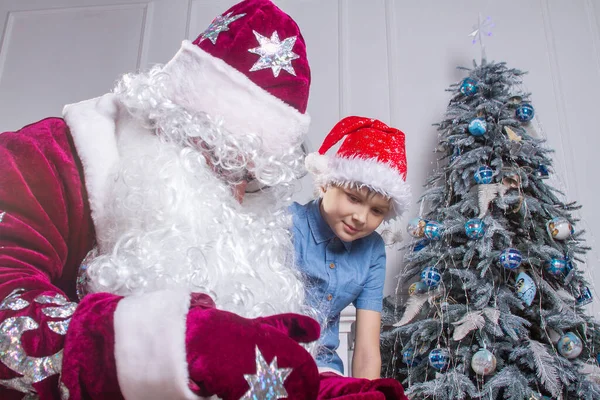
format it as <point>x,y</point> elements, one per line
<point>389,59</point>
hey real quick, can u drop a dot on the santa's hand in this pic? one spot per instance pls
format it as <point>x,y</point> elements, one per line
<point>343,388</point>
<point>233,357</point>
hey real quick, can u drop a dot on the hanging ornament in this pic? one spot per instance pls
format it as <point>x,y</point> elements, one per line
<point>512,135</point>
<point>584,297</point>
<point>570,345</point>
<point>468,87</point>
<point>439,359</point>
<point>598,358</point>
<point>526,288</point>
<point>556,266</point>
<point>512,181</point>
<point>433,230</point>
<point>483,362</point>
<point>475,228</point>
<point>542,172</point>
<point>477,127</point>
<point>420,245</point>
<point>510,258</point>
<point>417,288</point>
<point>553,335</point>
<point>416,227</point>
<point>524,112</point>
<point>559,228</point>
<point>456,152</point>
<point>515,100</point>
<point>431,277</point>
<point>409,358</point>
<point>483,175</point>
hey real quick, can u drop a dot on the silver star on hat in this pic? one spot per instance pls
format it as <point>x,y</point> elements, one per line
<point>274,53</point>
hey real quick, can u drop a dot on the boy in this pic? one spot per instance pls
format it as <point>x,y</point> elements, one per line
<point>336,245</point>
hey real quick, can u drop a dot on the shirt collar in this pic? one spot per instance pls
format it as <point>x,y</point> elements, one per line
<point>318,226</point>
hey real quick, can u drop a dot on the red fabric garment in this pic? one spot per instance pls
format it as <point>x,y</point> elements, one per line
<point>221,349</point>
<point>338,387</point>
<point>45,233</point>
<point>232,45</point>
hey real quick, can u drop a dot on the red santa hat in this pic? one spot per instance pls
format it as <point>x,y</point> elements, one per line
<point>372,155</point>
<point>250,68</point>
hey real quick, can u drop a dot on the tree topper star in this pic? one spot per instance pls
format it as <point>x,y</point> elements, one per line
<point>267,383</point>
<point>218,25</point>
<point>274,54</point>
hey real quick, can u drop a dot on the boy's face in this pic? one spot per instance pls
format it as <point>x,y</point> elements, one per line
<point>353,213</point>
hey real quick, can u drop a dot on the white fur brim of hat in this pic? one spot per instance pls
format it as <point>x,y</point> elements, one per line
<point>204,83</point>
<point>358,171</point>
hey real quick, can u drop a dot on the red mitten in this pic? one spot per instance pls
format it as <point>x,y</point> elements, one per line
<point>340,387</point>
<point>222,348</point>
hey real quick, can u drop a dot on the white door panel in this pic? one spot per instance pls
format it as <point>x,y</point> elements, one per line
<point>59,52</point>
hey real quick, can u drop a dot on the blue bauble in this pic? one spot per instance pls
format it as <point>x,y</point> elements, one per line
<point>526,288</point>
<point>598,358</point>
<point>510,258</point>
<point>556,266</point>
<point>585,296</point>
<point>439,359</point>
<point>431,277</point>
<point>475,228</point>
<point>483,175</point>
<point>542,172</point>
<point>408,357</point>
<point>468,87</point>
<point>524,112</point>
<point>569,345</point>
<point>477,127</point>
<point>433,230</point>
<point>456,152</point>
<point>420,245</point>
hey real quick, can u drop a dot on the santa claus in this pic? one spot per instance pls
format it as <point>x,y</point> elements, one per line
<point>145,250</point>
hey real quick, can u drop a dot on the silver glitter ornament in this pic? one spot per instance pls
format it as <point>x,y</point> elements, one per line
<point>59,327</point>
<point>274,54</point>
<point>13,355</point>
<point>218,25</point>
<point>2,214</point>
<point>14,301</point>
<point>267,383</point>
<point>57,299</point>
<point>64,391</point>
<point>63,311</point>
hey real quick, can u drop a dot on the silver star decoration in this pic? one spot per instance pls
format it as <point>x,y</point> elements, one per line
<point>482,28</point>
<point>274,54</point>
<point>267,383</point>
<point>218,25</point>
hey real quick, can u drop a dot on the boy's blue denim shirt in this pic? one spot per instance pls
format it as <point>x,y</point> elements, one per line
<point>337,274</point>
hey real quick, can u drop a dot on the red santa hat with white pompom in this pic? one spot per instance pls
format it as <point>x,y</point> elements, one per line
<point>372,155</point>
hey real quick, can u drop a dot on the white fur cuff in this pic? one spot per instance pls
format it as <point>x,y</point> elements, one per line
<point>150,346</point>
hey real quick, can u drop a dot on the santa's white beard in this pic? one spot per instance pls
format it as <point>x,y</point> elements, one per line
<point>171,223</point>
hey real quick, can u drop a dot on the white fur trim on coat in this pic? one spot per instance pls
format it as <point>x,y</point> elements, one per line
<point>370,172</point>
<point>92,124</point>
<point>207,84</point>
<point>150,346</point>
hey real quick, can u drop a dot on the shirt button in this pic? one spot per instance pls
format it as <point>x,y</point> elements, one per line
<point>332,265</point>
<point>329,297</point>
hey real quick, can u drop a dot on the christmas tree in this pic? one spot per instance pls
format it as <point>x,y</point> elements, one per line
<point>498,310</point>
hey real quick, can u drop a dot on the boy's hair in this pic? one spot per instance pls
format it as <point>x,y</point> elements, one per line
<point>372,156</point>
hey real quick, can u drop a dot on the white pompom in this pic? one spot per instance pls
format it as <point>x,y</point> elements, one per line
<point>316,163</point>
